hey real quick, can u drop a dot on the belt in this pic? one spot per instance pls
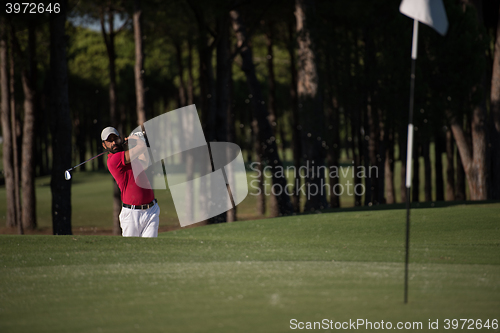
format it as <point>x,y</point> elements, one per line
<point>146,206</point>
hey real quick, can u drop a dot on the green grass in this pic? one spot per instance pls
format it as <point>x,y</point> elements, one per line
<point>256,276</point>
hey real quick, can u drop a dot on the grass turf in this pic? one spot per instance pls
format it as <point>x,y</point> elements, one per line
<point>256,276</point>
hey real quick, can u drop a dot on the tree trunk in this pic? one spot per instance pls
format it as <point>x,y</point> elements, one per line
<point>296,145</point>
<point>41,143</point>
<point>380,157</point>
<point>450,167</point>
<point>222,94</point>
<point>206,78</point>
<point>203,83</point>
<point>371,121</point>
<point>460,194</point>
<point>61,125</point>
<point>310,108</point>
<point>91,135</point>
<point>80,131</point>
<point>46,146</point>
<point>210,112</point>
<point>28,77</point>
<point>415,196</point>
<point>109,39</point>
<point>18,128</point>
<point>389,168</point>
<point>222,83</point>
<point>356,151</point>
<point>402,157</point>
<point>427,169</point>
<point>140,94</point>
<point>333,147</point>
<point>460,189</point>
<point>473,160</point>
<point>282,144</point>
<point>261,198</point>
<point>16,135</point>
<point>8,163</point>
<point>495,116</point>
<point>332,144</point>
<point>46,133</point>
<point>28,163</point>
<point>271,101</point>
<point>438,164</point>
<point>231,134</point>
<point>265,133</point>
<point>190,86</point>
<point>366,159</point>
<point>271,105</point>
<point>357,129</point>
<point>39,162</point>
<point>182,87</point>
<point>207,86</point>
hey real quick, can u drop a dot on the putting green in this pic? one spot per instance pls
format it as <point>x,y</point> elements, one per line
<point>256,276</point>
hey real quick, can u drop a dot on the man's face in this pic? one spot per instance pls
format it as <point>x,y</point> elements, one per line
<point>113,143</point>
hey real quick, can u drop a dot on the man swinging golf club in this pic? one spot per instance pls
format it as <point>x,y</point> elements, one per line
<point>140,214</point>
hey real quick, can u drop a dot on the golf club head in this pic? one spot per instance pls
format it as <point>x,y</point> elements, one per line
<point>67,175</point>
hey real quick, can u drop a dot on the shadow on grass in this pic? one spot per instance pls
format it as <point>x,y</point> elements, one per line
<point>414,205</point>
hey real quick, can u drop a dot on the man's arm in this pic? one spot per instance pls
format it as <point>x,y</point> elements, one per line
<point>140,151</point>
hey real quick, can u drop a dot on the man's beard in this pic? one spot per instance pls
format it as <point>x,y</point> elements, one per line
<point>116,149</point>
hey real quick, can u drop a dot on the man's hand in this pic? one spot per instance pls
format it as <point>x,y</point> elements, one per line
<point>139,149</point>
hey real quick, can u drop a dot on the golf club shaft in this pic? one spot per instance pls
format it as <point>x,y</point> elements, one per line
<point>90,159</point>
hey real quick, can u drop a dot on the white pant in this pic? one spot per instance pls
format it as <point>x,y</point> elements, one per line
<point>140,223</point>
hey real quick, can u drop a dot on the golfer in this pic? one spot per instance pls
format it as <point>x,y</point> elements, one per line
<point>140,214</point>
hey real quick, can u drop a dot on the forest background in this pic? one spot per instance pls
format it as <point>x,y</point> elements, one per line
<point>293,83</point>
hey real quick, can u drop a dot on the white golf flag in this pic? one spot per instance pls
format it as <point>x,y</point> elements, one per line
<point>430,12</point>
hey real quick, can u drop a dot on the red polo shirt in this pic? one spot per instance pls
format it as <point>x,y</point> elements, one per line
<point>124,176</point>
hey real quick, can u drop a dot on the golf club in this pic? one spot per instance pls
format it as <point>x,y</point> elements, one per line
<point>67,174</point>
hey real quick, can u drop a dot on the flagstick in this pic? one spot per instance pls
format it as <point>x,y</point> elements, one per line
<point>409,151</point>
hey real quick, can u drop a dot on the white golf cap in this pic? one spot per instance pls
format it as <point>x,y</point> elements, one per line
<point>107,132</point>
